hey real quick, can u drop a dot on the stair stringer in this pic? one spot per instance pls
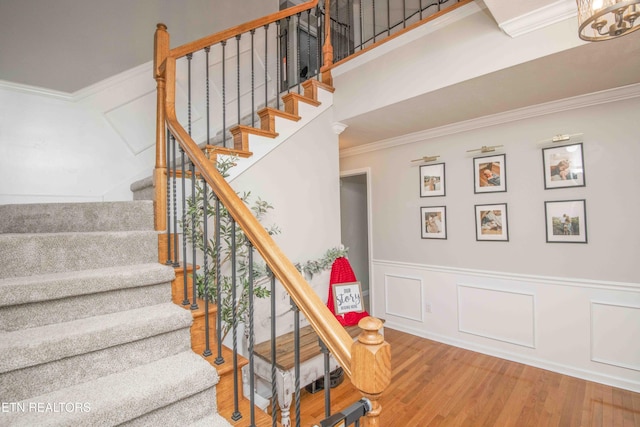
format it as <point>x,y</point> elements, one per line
<point>260,146</point>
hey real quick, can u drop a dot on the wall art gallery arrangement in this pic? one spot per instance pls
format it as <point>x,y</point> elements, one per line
<point>566,220</point>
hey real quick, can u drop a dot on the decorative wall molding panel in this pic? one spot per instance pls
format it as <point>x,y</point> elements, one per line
<point>403,296</point>
<point>581,328</point>
<point>497,314</point>
<point>614,340</point>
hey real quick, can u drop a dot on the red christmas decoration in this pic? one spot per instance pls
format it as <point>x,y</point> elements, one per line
<point>341,272</point>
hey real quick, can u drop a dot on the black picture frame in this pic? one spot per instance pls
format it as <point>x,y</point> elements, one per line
<point>492,222</point>
<point>566,221</point>
<point>563,166</point>
<point>490,174</point>
<point>432,180</point>
<point>433,220</point>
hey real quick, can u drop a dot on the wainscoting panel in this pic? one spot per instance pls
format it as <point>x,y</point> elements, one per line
<point>614,335</point>
<point>139,134</point>
<point>403,297</point>
<point>496,314</point>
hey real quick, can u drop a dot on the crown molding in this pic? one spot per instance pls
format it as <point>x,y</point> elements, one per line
<point>35,90</point>
<point>106,84</point>
<point>540,18</point>
<point>581,101</point>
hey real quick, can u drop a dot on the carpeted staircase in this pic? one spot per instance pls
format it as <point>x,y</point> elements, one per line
<point>88,335</point>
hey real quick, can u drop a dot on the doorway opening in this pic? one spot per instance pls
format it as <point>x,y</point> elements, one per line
<point>354,223</point>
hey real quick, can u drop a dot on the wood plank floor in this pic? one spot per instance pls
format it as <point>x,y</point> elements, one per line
<point>434,384</point>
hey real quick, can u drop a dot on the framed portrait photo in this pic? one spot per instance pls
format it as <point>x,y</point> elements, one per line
<point>432,180</point>
<point>563,166</point>
<point>491,223</point>
<point>434,222</point>
<point>566,221</point>
<point>490,174</point>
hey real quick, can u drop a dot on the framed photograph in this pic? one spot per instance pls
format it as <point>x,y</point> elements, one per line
<point>347,297</point>
<point>566,221</point>
<point>490,174</point>
<point>563,166</point>
<point>434,222</point>
<point>432,180</point>
<point>491,222</point>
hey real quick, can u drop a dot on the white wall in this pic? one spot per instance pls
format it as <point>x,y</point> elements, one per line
<point>300,178</point>
<point>573,308</point>
<point>58,147</point>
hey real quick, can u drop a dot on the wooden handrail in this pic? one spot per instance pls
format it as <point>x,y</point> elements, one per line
<point>326,325</point>
<point>199,44</point>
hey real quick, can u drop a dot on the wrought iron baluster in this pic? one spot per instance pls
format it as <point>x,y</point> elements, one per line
<point>205,266</point>
<point>189,58</point>
<point>238,74</point>
<point>274,390</point>
<point>319,40</point>
<point>286,55</point>
<point>234,322</point>
<point>168,173</point>
<point>278,63</point>
<point>388,18</point>
<point>174,190</point>
<point>251,336</point>
<point>421,10</point>
<point>361,12</point>
<point>219,359</point>
<point>207,50</point>
<point>194,299</point>
<point>373,7</point>
<point>296,358</point>
<point>266,66</point>
<point>308,44</point>
<point>350,43</point>
<point>253,83</point>
<point>298,76</point>
<point>224,94</point>
<point>404,13</point>
<point>185,300</point>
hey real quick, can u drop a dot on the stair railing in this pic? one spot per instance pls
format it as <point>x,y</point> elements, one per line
<point>367,361</point>
<point>290,46</point>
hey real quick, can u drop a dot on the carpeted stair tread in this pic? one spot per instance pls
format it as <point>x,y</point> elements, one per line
<point>29,347</point>
<point>125,396</point>
<point>45,287</point>
<point>44,253</point>
<point>76,217</point>
<point>44,378</point>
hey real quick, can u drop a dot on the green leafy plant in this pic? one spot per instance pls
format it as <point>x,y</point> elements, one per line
<point>193,228</point>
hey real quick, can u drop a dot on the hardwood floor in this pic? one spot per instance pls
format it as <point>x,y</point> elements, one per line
<point>435,384</point>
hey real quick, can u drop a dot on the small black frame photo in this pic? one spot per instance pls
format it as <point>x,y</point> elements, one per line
<point>491,223</point>
<point>566,221</point>
<point>432,181</point>
<point>434,222</point>
<point>563,166</point>
<point>490,174</point>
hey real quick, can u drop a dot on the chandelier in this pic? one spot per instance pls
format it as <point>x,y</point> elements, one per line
<point>607,19</point>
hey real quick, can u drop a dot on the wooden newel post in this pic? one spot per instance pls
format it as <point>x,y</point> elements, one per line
<point>327,48</point>
<point>161,51</point>
<point>371,366</point>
